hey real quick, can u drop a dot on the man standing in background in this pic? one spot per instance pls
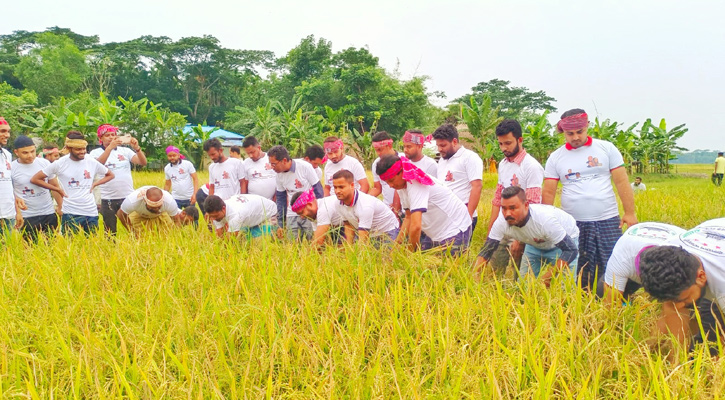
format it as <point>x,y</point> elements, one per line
<point>719,169</point>
<point>338,160</point>
<point>413,143</point>
<point>383,145</point>
<point>181,178</point>
<point>7,199</point>
<point>260,177</point>
<point>226,175</point>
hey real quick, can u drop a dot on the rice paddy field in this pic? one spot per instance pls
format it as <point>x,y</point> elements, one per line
<point>185,315</point>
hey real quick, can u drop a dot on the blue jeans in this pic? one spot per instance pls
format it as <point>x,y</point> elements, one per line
<point>457,243</point>
<point>182,204</point>
<point>73,223</point>
<point>6,225</point>
<point>534,258</point>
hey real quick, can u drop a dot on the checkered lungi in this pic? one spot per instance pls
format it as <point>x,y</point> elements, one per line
<point>596,242</point>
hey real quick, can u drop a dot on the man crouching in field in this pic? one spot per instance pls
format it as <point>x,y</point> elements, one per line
<point>322,212</point>
<point>249,214</point>
<point>149,208</point>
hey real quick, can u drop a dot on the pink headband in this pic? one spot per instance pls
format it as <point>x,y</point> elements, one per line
<point>410,172</point>
<point>106,128</point>
<point>573,123</point>
<point>416,138</point>
<point>174,149</point>
<point>304,199</point>
<point>3,121</point>
<point>383,143</point>
<point>333,146</point>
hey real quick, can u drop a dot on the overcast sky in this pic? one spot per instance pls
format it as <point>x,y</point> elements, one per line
<point>623,60</point>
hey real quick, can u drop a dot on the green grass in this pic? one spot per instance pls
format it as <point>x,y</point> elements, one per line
<point>188,316</point>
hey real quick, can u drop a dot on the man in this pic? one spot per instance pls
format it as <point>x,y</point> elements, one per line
<point>430,207</point>
<point>260,177</point>
<point>337,160</point>
<point>383,145</point>
<point>362,213</point>
<point>76,174</point>
<point>235,152</point>
<point>460,169</point>
<point>51,152</point>
<point>719,169</point>
<point>686,271</point>
<point>118,159</point>
<point>638,186</point>
<point>322,213</point>
<point>226,175</point>
<point>8,211</point>
<point>293,176</point>
<point>181,178</point>
<point>549,233</point>
<point>249,214</point>
<point>36,204</point>
<point>413,143</point>
<point>587,192</point>
<point>621,272</point>
<point>315,155</point>
<point>149,208</point>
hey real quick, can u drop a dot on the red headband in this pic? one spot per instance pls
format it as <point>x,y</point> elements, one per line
<point>304,199</point>
<point>573,123</point>
<point>383,143</point>
<point>333,146</point>
<point>416,138</point>
<point>410,172</point>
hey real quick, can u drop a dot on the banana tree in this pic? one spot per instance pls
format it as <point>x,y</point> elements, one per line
<point>481,120</point>
<point>539,140</point>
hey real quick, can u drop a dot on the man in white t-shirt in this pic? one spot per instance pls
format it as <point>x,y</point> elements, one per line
<point>226,174</point>
<point>181,178</point>
<point>322,213</point>
<point>586,167</point>
<point>249,214</point>
<point>38,215</point>
<point>460,169</point>
<point>687,271</point>
<point>413,143</point>
<point>76,174</point>
<point>638,186</point>
<point>293,176</point>
<point>549,233</point>
<point>8,210</point>
<point>118,158</point>
<point>363,214</point>
<point>315,155</point>
<point>260,177</point>
<point>149,208</point>
<point>383,145</point>
<point>337,160</point>
<point>430,207</point>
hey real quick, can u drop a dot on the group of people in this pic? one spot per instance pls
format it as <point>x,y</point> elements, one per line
<point>414,201</point>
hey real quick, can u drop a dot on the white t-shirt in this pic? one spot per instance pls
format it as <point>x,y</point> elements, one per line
<point>428,165</point>
<point>37,199</point>
<point>621,265</point>
<point>226,176</point>
<point>76,179</point>
<point>7,199</point>
<point>119,162</point>
<point>182,185</point>
<point>459,171</point>
<point>444,214</point>
<point>300,178</point>
<point>586,179</point>
<point>349,163</point>
<point>388,192</point>
<point>247,211</point>
<point>638,188</point>
<point>327,212</point>
<point>369,214</point>
<point>261,177</point>
<point>132,203</point>
<point>547,226</point>
<point>318,171</point>
<point>530,174</point>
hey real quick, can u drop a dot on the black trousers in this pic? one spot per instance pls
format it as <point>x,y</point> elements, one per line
<point>40,224</point>
<point>109,208</point>
<point>200,197</point>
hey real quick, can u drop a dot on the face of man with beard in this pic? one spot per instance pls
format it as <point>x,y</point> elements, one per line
<point>515,210</point>
<point>509,144</point>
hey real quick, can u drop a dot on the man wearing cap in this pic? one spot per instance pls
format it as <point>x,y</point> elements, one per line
<point>118,159</point>
<point>337,160</point>
<point>8,211</point>
<point>181,178</point>
<point>260,177</point>
<point>35,202</point>
<point>248,214</point>
<point>586,167</point>
<point>321,213</point>
<point>383,145</point>
<point>76,174</point>
<point>413,143</point>
<point>149,208</point>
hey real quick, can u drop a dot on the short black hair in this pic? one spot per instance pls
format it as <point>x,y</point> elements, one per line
<point>235,149</point>
<point>50,146</point>
<point>385,163</point>
<point>295,196</point>
<point>330,139</point>
<point>279,152</point>
<point>250,141</point>
<point>418,131</point>
<point>75,135</point>
<point>192,212</point>
<point>509,125</point>
<point>638,177</point>
<point>212,143</point>
<point>446,132</point>
<point>667,271</point>
<point>573,111</point>
<point>213,203</point>
<point>380,136</point>
<point>314,152</point>
<point>343,173</point>
<point>514,191</point>
<point>719,153</point>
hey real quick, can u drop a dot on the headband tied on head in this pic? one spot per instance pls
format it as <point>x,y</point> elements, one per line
<point>106,128</point>
<point>76,143</point>
<point>383,143</point>
<point>3,121</point>
<point>47,152</point>
<point>150,203</point>
<point>174,149</point>
<point>333,146</point>
<point>410,172</point>
<point>416,138</point>
<point>573,123</point>
<point>304,199</point>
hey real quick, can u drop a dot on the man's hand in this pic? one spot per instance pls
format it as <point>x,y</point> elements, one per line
<point>19,221</point>
<point>478,268</point>
<point>193,199</point>
<point>628,219</point>
<point>134,144</point>
<point>280,233</point>
<point>20,203</point>
<point>114,143</point>
<point>59,210</point>
<point>546,278</point>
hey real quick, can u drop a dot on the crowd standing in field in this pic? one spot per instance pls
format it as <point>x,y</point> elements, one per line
<point>326,199</point>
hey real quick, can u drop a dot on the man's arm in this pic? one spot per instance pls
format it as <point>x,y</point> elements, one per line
<point>609,296</point>
<point>364,185</point>
<point>414,230</point>
<point>376,189</point>
<point>320,234</point>
<point>349,233</point>
<point>244,186</point>
<point>484,255</point>
<point>107,151</point>
<point>139,158</point>
<point>475,196</point>
<point>403,231</point>
<point>675,319</point>
<point>569,251</point>
<point>109,175</point>
<point>56,196</point>
<point>548,193</point>
<point>317,189</point>
<point>125,220</point>
<point>167,185</point>
<point>626,195</point>
<point>396,203</point>
<point>195,179</point>
<point>326,192</point>
<point>18,215</point>
<point>39,180</point>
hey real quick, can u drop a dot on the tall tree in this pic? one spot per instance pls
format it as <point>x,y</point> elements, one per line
<point>513,101</point>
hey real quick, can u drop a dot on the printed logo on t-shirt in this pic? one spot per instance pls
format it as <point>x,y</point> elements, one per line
<point>706,240</point>
<point>573,175</point>
<point>111,165</point>
<point>28,191</point>
<point>74,183</point>
<point>267,166</point>
<point>651,232</point>
<point>121,157</point>
<point>537,240</point>
<point>298,184</point>
<point>2,174</point>
<point>173,177</point>
<point>449,177</point>
<point>241,199</point>
<point>216,182</point>
<point>593,162</point>
<point>515,181</point>
<point>181,171</point>
<point>225,175</point>
<point>86,174</point>
<point>7,165</point>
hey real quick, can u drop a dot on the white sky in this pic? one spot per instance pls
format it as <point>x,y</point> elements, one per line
<point>631,59</point>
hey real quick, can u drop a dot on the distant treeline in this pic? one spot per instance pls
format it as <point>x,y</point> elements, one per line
<point>695,157</point>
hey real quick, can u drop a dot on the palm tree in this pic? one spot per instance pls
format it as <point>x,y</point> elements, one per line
<point>481,120</point>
